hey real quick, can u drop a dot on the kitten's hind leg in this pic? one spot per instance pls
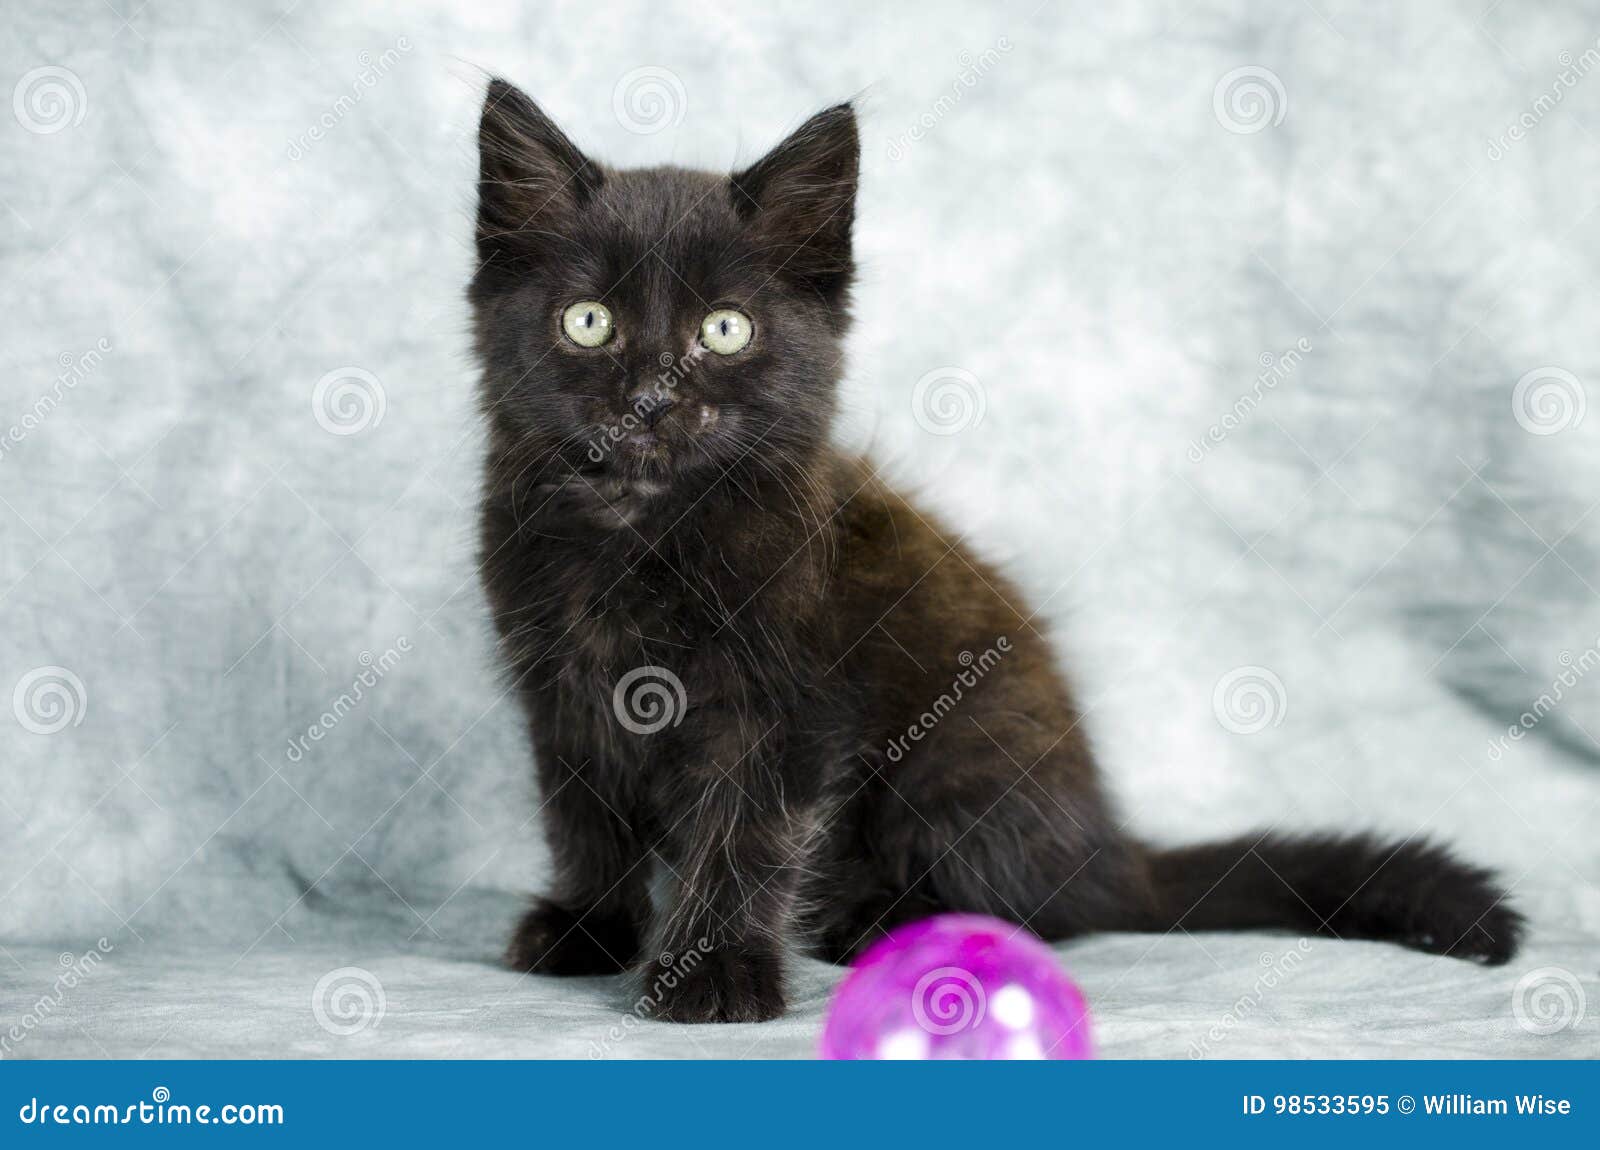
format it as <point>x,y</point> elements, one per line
<point>592,921</point>
<point>852,905</point>
<point>554,939</point>
<point>968,830</point>
<point>852,929</point>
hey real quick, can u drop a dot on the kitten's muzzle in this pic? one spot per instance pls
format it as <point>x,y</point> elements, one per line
<point>652,414</point>
<point>648,402</point>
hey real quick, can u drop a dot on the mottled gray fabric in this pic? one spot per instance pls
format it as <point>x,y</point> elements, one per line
<point>1254,340</point>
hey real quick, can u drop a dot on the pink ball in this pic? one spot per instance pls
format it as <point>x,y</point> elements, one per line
<point>957,986</point>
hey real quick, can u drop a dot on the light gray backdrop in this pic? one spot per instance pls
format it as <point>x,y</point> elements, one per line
<point>239,463</point>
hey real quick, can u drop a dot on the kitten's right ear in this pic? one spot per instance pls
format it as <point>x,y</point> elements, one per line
<point>530,176</point>
<point>801,199</point>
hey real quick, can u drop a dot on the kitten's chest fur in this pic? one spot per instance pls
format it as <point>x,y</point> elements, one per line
<point>578,607</point>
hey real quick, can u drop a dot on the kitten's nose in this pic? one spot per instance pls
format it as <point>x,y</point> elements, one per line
<point>649,402</point>
<point>656,410</point>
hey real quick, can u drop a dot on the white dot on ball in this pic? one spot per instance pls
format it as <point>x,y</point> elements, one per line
<point>1024,1047</point>
<point>903,1044</point>
<point>1013,1006</point>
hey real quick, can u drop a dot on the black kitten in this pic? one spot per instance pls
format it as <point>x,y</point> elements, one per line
<point>736,646</point>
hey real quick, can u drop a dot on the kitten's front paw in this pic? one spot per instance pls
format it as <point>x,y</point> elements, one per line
<point>551,939</point>
<point>727,985</point>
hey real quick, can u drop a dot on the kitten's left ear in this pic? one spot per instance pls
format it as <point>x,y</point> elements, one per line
<point>531,178</point>
<point>801,198</point>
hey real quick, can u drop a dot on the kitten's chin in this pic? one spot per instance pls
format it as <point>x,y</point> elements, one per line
<point>647,468</point>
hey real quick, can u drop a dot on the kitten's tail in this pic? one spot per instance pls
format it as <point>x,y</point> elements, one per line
<point>1413,893</point>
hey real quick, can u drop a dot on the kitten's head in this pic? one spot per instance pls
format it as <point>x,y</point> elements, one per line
<point>660,324</point>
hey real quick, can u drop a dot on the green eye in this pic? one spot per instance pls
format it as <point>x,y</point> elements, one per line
<point>726,331</point>
<point>587,324</point>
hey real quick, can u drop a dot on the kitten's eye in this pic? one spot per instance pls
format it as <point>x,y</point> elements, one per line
<point>587,324</point>
<point>726,331</point>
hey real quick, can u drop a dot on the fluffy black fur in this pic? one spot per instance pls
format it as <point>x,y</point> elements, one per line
<point>650,504</point>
